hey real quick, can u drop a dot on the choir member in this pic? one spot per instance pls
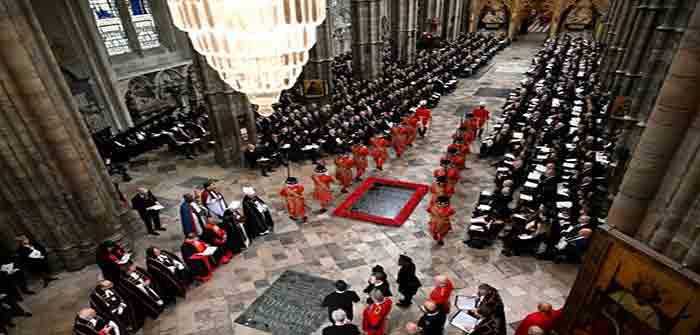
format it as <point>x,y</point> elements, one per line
<point>440,214</point>
<point>137,288</point>
<point>191,216</point>
<point>214,235</point>
<point>343,171</point>
<point>407,280</point>
<point>257,214</point>
<point>146,204</point>
<point>201,265</point>
<point>234,225</point>
<point>433,320</point>
<point>341,325</point>
<point>342,299</point>
<point>108,303</point>
<point>379,151</point>
<point>110,256</point>
<point>359,156</point>
<point>322,187</point>
<point>213,200</point>
<point>440,295</point>
<point>88,323</point>
<point>293,192</point>
<point>33,256</point>
<point>374,316</point>
<point>168,272</point>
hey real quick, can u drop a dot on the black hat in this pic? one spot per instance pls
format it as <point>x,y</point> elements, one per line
<point>292,181</point>
<point>462,128</point>
<point>458,139</point>
<point>441,179</point>
<point>320,168</point>
<point>445,162</point>
<point>443,200</point>
<point>470,114</point>
<point>452,150</point>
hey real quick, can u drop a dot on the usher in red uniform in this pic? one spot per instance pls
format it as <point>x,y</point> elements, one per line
<point>441,295</point>
<point>379,145</point>
<point>424,115</point>
<point>294,195</point>
<point>411,129</point>
<point>440,221</point>
<point>398,140</point>
<point>437,190</point>
<point>451,173</point>
<point>458,161</point>
<point>343,171</point>
<point>322,189</point>
<point>481,115</point>
<point>359,154</point>
<point>374,317</point>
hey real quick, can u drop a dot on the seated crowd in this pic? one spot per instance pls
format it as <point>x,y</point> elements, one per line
<point>553,150</point>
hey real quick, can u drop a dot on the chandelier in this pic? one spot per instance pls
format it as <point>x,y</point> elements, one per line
<point>258,47</point>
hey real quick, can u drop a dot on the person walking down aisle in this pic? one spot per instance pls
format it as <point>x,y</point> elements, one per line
<point>342,299</point>
<point>374,317</point>
<point>407,280</point>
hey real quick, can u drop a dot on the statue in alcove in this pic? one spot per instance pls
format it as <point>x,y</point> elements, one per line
<point>495,14</point>
<point>580,16</point>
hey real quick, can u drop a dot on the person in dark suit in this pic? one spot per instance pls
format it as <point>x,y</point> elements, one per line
<point>407,280</point>
<point>342,299</point>
<point>377,281</point>
<point>433,320</point>
<point>141,202</point>
<point>341,325</point>
<point>33,256</point>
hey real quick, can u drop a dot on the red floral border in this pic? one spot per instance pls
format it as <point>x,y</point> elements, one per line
<point>343,209</point>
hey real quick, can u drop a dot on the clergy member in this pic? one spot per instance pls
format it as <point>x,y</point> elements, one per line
<point>88,323</point>
<point>407,280</point>
<point>215,236</point>
<point>545,318</point>
<point>34,257</point>
<point>440,295</point>
<point>201,266</point>
<point>257,215</point>
<point>110,304</point>
<point>322,186</point>
<point>341,325</point>
<point>191,216</point>
<point>213,200</point>
<point>293,192</point>
<point>433,320</point>
<point>234,225</point>
<point>168,272</point>
<point>136,287</point>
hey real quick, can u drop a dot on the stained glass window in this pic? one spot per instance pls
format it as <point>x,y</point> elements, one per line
<point>110,26</point>
<point>144,24</point>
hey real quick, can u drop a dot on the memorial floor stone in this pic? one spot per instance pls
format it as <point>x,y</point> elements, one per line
<point>493,92</point>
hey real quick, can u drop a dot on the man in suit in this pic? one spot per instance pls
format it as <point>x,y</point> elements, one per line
<point>143,202</point>
<point>433,320</point>
<point>342,299</point>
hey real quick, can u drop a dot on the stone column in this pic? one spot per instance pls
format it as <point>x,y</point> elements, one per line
<point>322,53</point>
<point>628,15</point>
<point>674,113</point>
<point>631,32</point>
<point>403,29</point>
<point>515,19</point>
<point>559,7</point>
<point>54,185</point>
<point>367,41</point>
<point>164,24</point>
<point>466,10</point>
<point>452,19</point>
<point>223,114</point>
<point>430,20</point>
<point>80,22</point>
<point>475,7</point>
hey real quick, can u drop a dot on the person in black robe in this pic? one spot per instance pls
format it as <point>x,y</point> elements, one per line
<point>342,299</point>
<point>407,280</point>
<point>168,272</point>
<point>5,317</point>
<point>257,214</point>
<point>234,225</point>
<point>13,278</point>
<point>201,266</point>
<point>136,286</point>
<point>377,281</point>
<point>433,320</point>
<point>105,300</point>
<point>33,256</point>
<point>88,323</point>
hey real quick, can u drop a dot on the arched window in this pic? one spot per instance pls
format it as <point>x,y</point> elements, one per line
<point>145,26</point>
<point>125,25</point>
<point>109,24</point>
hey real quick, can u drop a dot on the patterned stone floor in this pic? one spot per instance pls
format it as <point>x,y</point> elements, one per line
<point>329,247</point>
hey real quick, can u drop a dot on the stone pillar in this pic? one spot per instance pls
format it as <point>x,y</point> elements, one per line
<point>628,13</point>
<point>223,114</point>
<point>129,29</point>
<point>430,20</point>
<point>403,29</point>
<point>515,19</point>
<point>625,46</point>
<point>557,11</point>
<point>367,41</point>
<point>164,24</point>
<point>322,53</point>
<point>54,185</point>
<point>452,19</point>
<point>79,21</point>
<point>475,7</point>
<point>674,113</point>
<point>466,10</point>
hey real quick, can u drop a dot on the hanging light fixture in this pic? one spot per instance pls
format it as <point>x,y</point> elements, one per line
<point>258,47</point>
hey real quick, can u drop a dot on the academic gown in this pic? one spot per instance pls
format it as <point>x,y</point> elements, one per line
<point>110,304</point>
<point>215,236</point>
<point>232,223</point>
<point>170,275</point>
<point>258,218</point>
<point>96,326</point>
<point>144,298</point>
<point>191,221</point>
<point>201,266</point>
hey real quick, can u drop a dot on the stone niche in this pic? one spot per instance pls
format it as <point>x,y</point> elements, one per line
<point>625,287</point>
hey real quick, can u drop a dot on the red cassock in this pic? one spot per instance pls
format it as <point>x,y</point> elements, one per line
<point>295,200</point>
<point>379,145</point>
<point>437,190</point>
<point>218,239</point>
<point>440,221</point>
<point>481,115</point>
<point>546,321</point>
<point>441,295</point>
<point>462,150</point>
<point>374,316</point>
<point>458,161</point>
<point>199,247</point>
<point>322,189</point>
<point>398,140</point>
<point>424,115</point>
<point>411,129</point>
<point>343,170</point>
<point>359,154</point>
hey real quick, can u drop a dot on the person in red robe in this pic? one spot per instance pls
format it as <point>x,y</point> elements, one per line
<point>398,139</point>
<point>293,192</point>
<point>440,214</point>
<point>482,115</point>
<point>457,160</point>
<point>546,318</point>
<point>440,295</point>
<point>462,149</point>
<point>448,170</point>
<point>374,316</point>
<point>343,171</point>
<point>322,187</point>
<point>440,188</point>
<point>471,123</point>
<point>215,236</point>
<point>411,128</point>
<point>379,153</point>
<point>424,115</point>
<point>201,266</point>
<point>359,155</point>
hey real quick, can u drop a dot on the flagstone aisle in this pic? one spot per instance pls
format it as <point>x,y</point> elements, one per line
<point>330,247</point>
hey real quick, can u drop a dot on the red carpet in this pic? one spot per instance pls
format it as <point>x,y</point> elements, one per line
<point>373,201</point>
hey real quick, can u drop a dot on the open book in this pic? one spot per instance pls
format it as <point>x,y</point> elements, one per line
<point>464,321</point>
<point>208,251</point>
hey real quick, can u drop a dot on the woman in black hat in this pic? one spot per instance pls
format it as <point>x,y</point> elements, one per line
<point>407,280</point>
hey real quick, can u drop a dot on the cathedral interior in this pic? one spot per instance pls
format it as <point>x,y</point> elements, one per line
<point>103,98</point>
